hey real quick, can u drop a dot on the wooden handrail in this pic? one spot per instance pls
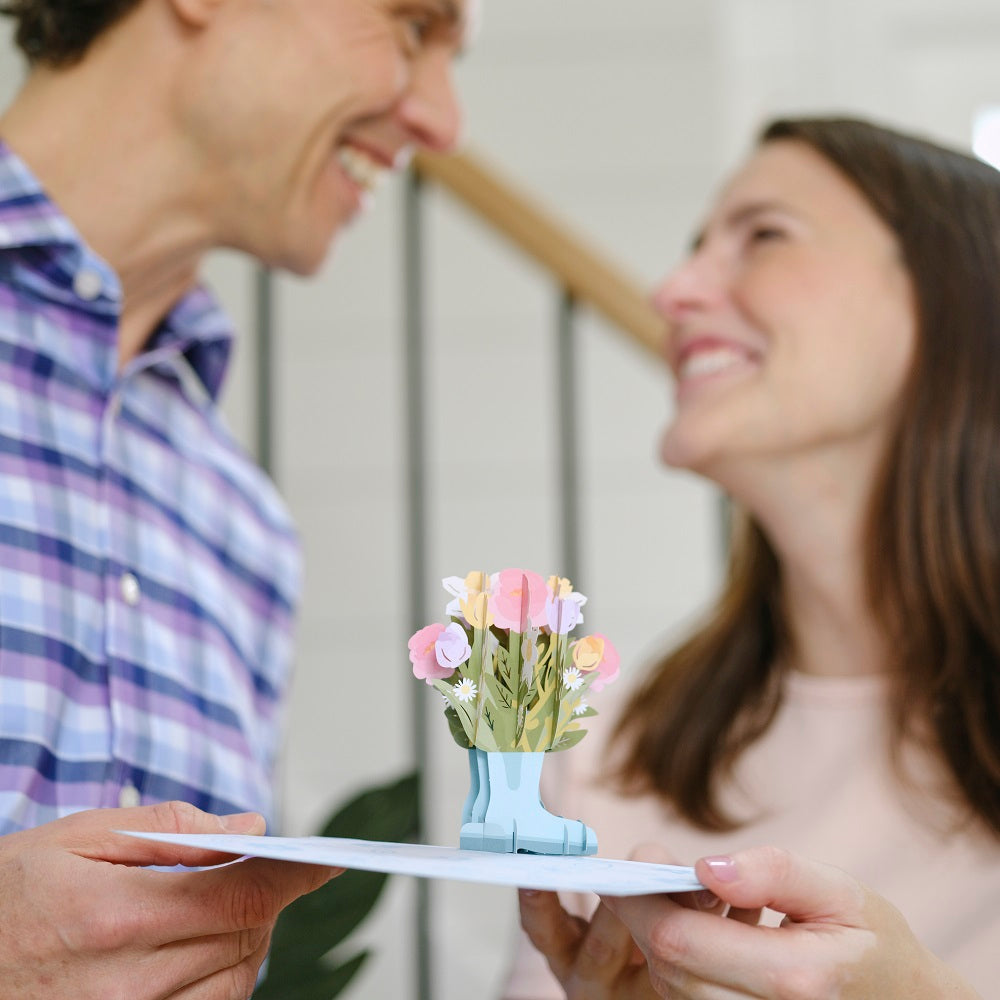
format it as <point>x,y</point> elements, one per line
<point>586,273</point>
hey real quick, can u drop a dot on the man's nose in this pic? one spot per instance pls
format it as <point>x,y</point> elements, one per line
<point>430,110</point>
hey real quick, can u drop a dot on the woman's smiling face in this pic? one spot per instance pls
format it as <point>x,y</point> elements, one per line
<point>791,326</point>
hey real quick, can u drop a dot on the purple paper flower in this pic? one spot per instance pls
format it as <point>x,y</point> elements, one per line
<point>562,614</point>
<point>451,648</point>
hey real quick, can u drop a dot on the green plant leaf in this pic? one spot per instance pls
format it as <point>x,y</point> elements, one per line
<point>313,982</point>
<point>311,927</point>
<point>387,812</point>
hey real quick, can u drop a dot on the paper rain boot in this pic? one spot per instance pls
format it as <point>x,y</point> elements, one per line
<point>474,810</point>
<point>515,819</point>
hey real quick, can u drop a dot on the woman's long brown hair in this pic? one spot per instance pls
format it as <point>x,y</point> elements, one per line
<point>933,531</point>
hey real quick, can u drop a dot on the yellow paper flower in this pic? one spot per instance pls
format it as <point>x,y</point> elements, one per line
<point>476,608</point>
<point>559,586</point>
<point>588,652</point>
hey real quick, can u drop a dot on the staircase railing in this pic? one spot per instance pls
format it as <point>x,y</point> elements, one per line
<point>590,277</point>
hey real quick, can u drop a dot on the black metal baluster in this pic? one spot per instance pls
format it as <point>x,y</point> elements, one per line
<point>416,453</point>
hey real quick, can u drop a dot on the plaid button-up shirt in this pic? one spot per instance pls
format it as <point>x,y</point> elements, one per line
<point>148,569</point>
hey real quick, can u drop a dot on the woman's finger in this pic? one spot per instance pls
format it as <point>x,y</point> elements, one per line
<point>606,951</point>
<point>554,932</point>
<point>745,915</point>
<point>766,876</point>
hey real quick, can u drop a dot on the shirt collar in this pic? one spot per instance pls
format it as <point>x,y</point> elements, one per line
<point>28,217</point>
<point>196,326</point>
<point>199,328</point>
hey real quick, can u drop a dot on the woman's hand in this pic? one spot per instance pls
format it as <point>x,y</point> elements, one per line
<point>597,959</point>
<point>838,939</point>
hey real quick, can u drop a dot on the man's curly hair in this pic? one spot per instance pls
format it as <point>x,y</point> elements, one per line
<point>59,32</point>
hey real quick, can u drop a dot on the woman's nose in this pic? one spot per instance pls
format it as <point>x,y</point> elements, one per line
<point>692,285</point>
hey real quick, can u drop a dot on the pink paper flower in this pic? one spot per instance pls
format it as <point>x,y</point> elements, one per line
<point>519,597</point>
<point>452,649</point>
<point>423,654</point>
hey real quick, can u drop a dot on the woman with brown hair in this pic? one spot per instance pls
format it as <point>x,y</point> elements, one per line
<point>835,337</point>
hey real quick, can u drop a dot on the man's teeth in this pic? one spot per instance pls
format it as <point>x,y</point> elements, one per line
<point>710,362</point>
<point>361,168</point>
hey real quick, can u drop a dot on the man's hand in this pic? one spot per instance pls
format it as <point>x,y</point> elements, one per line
<point>79,917</point>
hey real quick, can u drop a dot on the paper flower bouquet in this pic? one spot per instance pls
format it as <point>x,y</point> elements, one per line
<point>515,686</point>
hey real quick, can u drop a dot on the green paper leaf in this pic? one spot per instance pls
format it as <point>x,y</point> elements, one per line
<point>462,712</point>
<point>502,716</point>
<point>498,695</point>
<point>569,739</point>
<point>501,668</point>
<point>458,733</point>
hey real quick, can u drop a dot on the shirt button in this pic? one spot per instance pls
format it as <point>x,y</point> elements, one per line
<point>129,797</point>
<point>87,284</point>
<point>130,589</point>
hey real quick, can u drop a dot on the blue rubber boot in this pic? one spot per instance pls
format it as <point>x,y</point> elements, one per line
<point>515,819</point>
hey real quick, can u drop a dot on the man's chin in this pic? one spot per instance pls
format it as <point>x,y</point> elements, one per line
<point>304,262</point>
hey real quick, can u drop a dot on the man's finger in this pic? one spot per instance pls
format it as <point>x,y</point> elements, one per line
<point>185,962</point>
<point>91,834</point>
<point>236,897</point>
<point>232,983</point>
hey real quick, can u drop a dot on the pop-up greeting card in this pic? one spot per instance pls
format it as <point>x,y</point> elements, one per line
<point>515,686</point>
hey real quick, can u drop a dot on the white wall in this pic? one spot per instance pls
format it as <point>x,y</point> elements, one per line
<point>622,116</point>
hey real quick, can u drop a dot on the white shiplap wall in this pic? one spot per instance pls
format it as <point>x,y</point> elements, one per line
<point>622,117</point>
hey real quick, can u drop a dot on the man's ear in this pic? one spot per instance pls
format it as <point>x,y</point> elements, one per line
<point>196,13</point>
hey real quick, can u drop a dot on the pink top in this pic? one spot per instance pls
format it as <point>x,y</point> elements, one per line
<point>824,788</point>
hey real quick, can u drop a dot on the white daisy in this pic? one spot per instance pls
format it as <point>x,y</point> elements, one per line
<point>581,708</point>
<point>572,678</point>
<point>465,689</point>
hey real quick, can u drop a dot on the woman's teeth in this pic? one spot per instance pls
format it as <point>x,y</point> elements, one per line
<point>361,168</point>
<point>710,362</point>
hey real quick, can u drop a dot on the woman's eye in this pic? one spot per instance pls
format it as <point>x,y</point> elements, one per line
<point>765,234</point>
